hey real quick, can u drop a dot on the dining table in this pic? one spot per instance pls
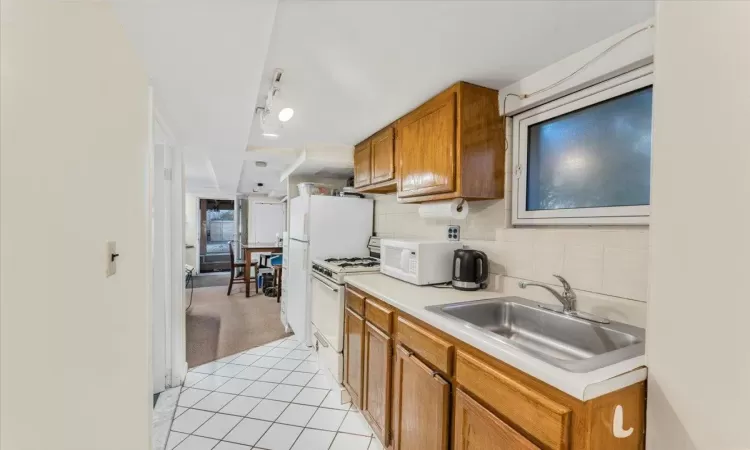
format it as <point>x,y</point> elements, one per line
<point>256,247</point>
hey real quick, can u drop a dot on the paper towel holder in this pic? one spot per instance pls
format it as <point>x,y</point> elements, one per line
<point>460,206</point>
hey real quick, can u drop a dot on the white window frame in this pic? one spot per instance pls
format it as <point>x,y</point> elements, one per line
<point>616,215</point>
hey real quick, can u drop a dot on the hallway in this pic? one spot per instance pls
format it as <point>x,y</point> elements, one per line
<point>272,397</point>
<point>217,325</point>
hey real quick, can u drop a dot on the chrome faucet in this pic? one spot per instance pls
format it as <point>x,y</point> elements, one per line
<point>567,298</point>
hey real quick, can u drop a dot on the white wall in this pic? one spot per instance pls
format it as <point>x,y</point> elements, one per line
<point>698,334</point>
<point>251,201</point>
<point>74,345</point>
<point>607,266</point>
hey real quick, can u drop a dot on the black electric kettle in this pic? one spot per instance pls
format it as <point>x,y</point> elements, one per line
<point>470,270</point>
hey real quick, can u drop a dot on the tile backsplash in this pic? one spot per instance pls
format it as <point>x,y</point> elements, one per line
<point>607,266</point>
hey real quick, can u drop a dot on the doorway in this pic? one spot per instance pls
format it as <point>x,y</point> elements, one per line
<point>218,231</point>
<point>219,322</point>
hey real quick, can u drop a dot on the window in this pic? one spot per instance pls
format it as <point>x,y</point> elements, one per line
<point>586,158</point>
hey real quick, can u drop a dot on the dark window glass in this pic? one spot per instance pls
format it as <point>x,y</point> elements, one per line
<point>597,156</point>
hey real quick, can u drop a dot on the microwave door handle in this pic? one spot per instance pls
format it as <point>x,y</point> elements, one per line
<point>405,260</point>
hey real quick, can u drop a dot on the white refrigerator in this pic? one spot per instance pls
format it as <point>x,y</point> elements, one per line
<point>321,227</point>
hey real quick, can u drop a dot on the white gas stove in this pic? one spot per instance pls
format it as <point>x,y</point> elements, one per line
<point>328,295</point>
<point>335,269</point>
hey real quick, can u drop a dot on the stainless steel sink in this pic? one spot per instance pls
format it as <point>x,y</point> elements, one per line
<point>567,342</point>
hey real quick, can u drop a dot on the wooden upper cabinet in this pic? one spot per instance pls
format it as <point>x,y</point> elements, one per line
<point>421,405</point>
<point>376,404</point>
<point>427,148</point>
<point>362,164</point>
<point>383,156</point>
<point>354,333</point>
<point>452,146</point>
<point>477,428</point>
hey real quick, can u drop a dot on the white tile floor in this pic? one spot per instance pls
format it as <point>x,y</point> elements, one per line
<point>272,397</point>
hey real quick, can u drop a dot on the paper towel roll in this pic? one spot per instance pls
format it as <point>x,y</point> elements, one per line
<point>456,209</point>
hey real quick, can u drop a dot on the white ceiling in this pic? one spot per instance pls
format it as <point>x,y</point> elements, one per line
<point>205,60</point>
<point>277,159</point>
<point>350,67</point>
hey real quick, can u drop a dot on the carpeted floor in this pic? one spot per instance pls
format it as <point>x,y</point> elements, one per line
<point>218,325</point>
<point>213,279</point>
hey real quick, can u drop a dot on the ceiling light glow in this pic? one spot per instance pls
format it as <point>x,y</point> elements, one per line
<point>286,114</point>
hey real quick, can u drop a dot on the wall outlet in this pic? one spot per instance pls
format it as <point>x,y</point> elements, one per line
<point>454,233</point>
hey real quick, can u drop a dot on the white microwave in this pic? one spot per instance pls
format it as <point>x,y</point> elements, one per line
<point>418,262</point>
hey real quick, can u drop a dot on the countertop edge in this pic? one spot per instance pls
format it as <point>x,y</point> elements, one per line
<point>582,386</point>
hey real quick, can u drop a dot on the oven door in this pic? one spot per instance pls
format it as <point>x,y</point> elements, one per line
<point>328,311</point>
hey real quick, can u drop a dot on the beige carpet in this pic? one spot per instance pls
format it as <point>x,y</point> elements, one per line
<point>218,325</point>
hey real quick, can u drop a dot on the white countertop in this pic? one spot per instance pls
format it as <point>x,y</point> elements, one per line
<point>413,299</point>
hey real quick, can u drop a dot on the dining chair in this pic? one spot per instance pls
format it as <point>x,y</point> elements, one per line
<point>240,264</point>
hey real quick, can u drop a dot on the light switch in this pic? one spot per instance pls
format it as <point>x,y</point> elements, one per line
<point>111,258</point>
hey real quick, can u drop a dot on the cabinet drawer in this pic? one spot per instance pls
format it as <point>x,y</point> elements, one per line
<point>355,301</point>
<point>425,344</point>
<point>379,315</point>
<point>540,417</point>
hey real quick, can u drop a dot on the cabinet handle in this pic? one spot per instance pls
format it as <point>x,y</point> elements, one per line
<point>617,430</point>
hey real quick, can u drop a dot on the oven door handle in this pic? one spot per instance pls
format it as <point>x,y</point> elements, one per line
<point>325,284</point>
<point>323,341</point>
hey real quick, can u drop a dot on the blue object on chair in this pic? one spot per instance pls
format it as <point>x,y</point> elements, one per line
<point>276,260</point>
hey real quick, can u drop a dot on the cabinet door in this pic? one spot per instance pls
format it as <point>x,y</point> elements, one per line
<point>426,141</point>
<point>354,333</point>
<point>421,405</point>
<point>477,428</point>
<point>362,164</point>
<point>383,166</point>
<point>376,404</point>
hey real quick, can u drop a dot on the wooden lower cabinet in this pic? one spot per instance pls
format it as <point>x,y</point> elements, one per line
<point>477,428</point>
<point>354,334</point>
<point>421,389</point>
<point>376,403</point>
<point>421,405</point>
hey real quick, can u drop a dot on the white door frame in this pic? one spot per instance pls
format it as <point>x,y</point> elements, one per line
<point>175,327</point>
<point>168,258</point>
<point>159,251</point>
<point>198,228</point>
